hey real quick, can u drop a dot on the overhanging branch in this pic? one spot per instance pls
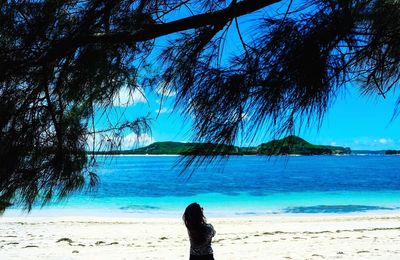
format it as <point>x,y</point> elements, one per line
<point>192,22</point>
<point>153,31</point>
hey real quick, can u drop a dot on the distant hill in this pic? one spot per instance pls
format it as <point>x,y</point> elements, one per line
<point>370,152</point>
<point>296,145</point>
<point>392,152</point>
<point>375,152</point>
<point>186,148</point>
<point>286,146</point>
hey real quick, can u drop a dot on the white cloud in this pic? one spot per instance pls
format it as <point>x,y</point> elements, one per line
<point>333,143</point>
<point>164,110</point>
<point>165,90</point>
<point>127,97</point>
<point>378,143</point>
<point>384,141</point>
<point>105,142</point>
<point>132,141</point>
<point>245,117</point>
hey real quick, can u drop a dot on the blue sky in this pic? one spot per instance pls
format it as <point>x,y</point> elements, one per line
<point>359,122</point>
<point>354,120</point>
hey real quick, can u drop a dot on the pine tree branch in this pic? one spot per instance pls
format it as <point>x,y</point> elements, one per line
<point>152,31</point>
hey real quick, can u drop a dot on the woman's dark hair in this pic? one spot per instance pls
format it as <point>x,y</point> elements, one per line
<point>195,222</point>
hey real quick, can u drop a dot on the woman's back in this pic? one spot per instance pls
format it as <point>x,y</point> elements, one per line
<point>202,247</point>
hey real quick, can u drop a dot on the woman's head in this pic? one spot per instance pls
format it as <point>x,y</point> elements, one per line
<point>194,216</point>
<point>195,221</point>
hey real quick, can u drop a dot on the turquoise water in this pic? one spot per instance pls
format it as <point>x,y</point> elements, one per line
<point>151,186</point>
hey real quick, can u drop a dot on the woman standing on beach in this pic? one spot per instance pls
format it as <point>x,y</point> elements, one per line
<point>200,233</point>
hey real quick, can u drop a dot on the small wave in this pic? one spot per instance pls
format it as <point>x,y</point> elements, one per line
<point>139,207</point>
<point>334,209</point>
<point>249,213</point>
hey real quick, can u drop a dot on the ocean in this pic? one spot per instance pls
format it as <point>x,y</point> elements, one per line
<point>154,186</point>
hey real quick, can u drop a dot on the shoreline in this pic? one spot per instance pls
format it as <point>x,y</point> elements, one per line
<point>372,236</point>
<point>147,218</point>
<point>174,214</point>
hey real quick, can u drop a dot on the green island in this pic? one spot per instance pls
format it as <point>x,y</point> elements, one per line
<point>291,145</point>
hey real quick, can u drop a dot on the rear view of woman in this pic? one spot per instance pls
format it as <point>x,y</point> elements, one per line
<point>200,233</point>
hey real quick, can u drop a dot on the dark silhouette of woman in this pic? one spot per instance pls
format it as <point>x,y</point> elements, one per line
<point>200,233</point>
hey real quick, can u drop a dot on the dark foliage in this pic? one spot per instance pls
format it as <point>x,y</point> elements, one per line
<point>48,93</point>
<point>292,71</point>
<point>62,60</point>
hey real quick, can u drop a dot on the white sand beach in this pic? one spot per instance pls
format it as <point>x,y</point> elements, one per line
<point>272,237</point>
